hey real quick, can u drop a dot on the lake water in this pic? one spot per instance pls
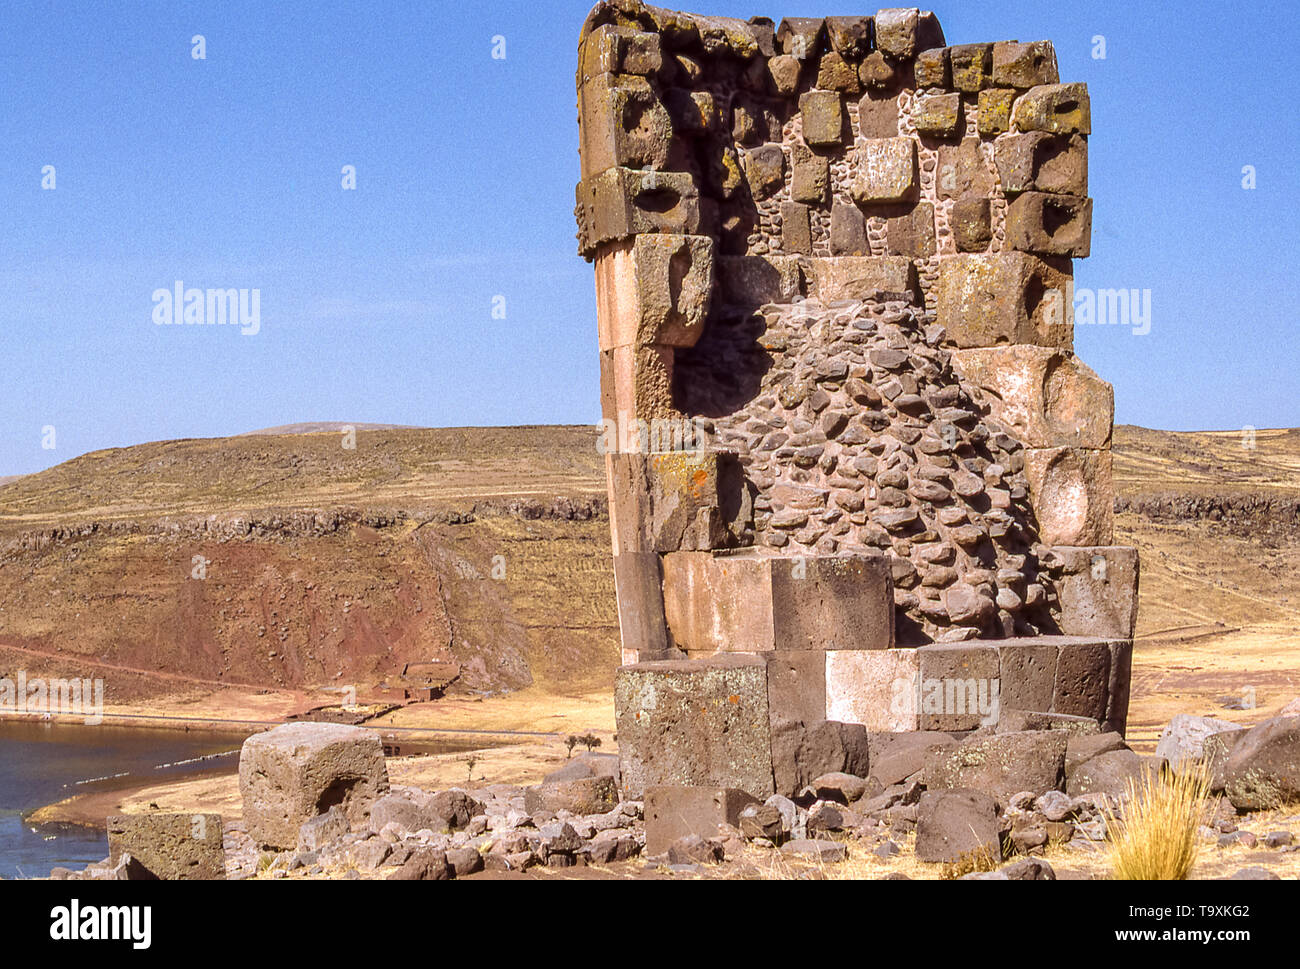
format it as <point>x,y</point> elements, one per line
<point>41,763</point>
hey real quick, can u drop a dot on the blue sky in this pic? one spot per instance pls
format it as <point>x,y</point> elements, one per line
<point>377,303</point>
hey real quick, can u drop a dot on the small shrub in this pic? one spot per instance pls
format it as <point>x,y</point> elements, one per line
<point>1158,840</point>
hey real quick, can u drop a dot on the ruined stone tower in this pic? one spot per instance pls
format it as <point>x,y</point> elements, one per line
<point>858,479</point>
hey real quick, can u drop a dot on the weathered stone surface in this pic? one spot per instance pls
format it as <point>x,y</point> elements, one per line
<point>897,32</point>
<point>1217,748</point>
<point>796,229</point>
<point>797,684</point>
<point>323,829</point>
<point>1110,773</point>
<point>802,37</point>
<point>1263,769</point>
<point>673,813</point>
<point>1081,749</point>
<point>1046,397</point>
<point>424,865</point>
<point>972,224</point>
<point>585,765</point>
<point>823,118</point>
<point>894,757</point>
<point>621,202</point>
<point>1072,495</point>
<point>654,290</point>
<point>1014,720</point>
<point>887,171</point>
<point>1082,678</point>
<point>913,234</point>
<point>624,124</point>
<point>757,603</point>
<point>611,49</point>
<point>1001,765</point>
<point>671,500</point>
<point>1121,681</point>
<point>581,795</point>
<point>938,115</point>
<point>810,176</point>
<point>876,688</point>
<point>848,231</point>
<point>971,66</point>
<point>785,73</point>
<point>802,752</point>
<point>1005,298</point>
<point>1039,162</point>
<point>1027,668</point>
<point>817,850</point>
<point>1024,65</point>
<point>636,384</point>
<point>951,824</point>
<point>1061,109</point>
<point>169,847</point>
<point>857,277</point>
<point>850,36</point>
<point>290,774</point>
<point>834,73</point>
<point>878,116</point>
<point>1053,225</point>
<point>959,687</point>
<point>694,723</point>
<point>748,282</point>
<point>932,68</point>
<point>764,170</point>
<point>995,105</point>
<point>638,586</point>
<point>1098,590</point>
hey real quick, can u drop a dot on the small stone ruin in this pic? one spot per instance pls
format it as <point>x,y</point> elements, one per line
<point>858,479</point>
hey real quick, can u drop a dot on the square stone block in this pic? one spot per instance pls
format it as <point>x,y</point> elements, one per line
<point>848,231</point>
<point>995,111</point>
<point>913,234</point>
<point>857,277</point>
<point>876,688</point>
<point>972,65</point>
<point>624,124</point>
<point>802,37</point>
<point>986,300</point>
<point>621,203</point>
<point>850,36</point>
<point>1098,590</point>
<point>1028,673</point>
<point>1083,678</point>
<point>834,73</point>
<point>796,229</point>
<point>694,723</point>
<point>897,31</point>
<point>1051,225</point>
<point>169,847</point>
<point>654,290</point>
<point>749,282</point>
<point>1120,687</point>
<point>636,384</point>
<point>1041,162</point>
<point>878,116</point>
<point>290,774</point>
<point>1072,495</point>
<point>638,587</point>
<point>886,171</point>
<point>796,684</point>
<point>810,178</point>
<point>1046,397</point>
<point>802,752</point>
<point>964,171</point>
<point>1061,109</point>
<point>971,221</point>
<point>959,688</point>
<point>620,50</point>
<point>823,118</point>
<point>1024,65</point>
<point>672,813</point>
<point>932,68</point>
<point>676,500</point>
<point>753,603</point>
<point>938,115</point>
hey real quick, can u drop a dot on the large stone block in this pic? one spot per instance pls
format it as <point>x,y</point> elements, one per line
<point>1024,65</point>
<point>1028,674</point>
<point>802,752</point>
<point>169,847</point>
<point>748,282</point>
<point>1061,109</point>
<point>897,32</point>
<point>797,684</point>
<point>933,68</point>
<point>959,686</point>
<point>638,587</point>
<point>1047,397</point>
<point>1002,298</point>
<point>1121,684</point>
<point>636,384</point>
<point>878,116</point>
<point>802,37</point>
<point>1083,679</point>
<point>823,118</point>
<point>858,277</point>
<point>913,234</point>
<point>752,603</point>
<point>938,115</point>
<point>672,813</point>
<point>810,176</point>
<point>953,825</point>
<point>850,37</point>
<point>1072,495</point>
<point>654,290</point>
<point>1262,772</point>
<point>848,231</point>
<point>695,723</point>
<point>964,171</point>
<point>994,107</point>
<point>620,50</point>
<point>1098,590</point>
<point>1001,765</point>
<point>620,203</point>
<point>886,171</point>
<point>796,228</point>
<point>624,124</point>
<point>669,501</point>
<point>1052,225</point>
<point>971,220</point>
<point>1039,162</point>
<point>292,773</point>
<point>972,66</point>
<point>874,687</point>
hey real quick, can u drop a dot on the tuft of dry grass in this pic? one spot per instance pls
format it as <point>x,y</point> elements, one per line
<point>1157,839</point>
<point>978,860</point>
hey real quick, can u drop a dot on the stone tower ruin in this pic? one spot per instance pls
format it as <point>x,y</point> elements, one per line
<point>858,479</point>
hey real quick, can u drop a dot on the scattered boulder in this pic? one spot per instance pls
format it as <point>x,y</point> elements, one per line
<point>584,795</point>
<point>802,752</point>
<point>762,821</point>
<point>672,813</point>
<point>323,829</point>
<point>839,787</point>
<point>694,850</point>
<point>1001,764</point>
<point>824,852</point>
<point>1255,875</point>
<point>169,847</point>
<point>953,823</point>
<point>894,757</point>
<point>586,765</point>
<point>1029,870</point>
<point>1055,806</point>
<point>1019,721</point>
<point>1263,769</point>
<point>1183,740</point>
<point>294,772</point>
<point>1084,748</point>
<point>1110,773</point>
<point>423,865</point>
